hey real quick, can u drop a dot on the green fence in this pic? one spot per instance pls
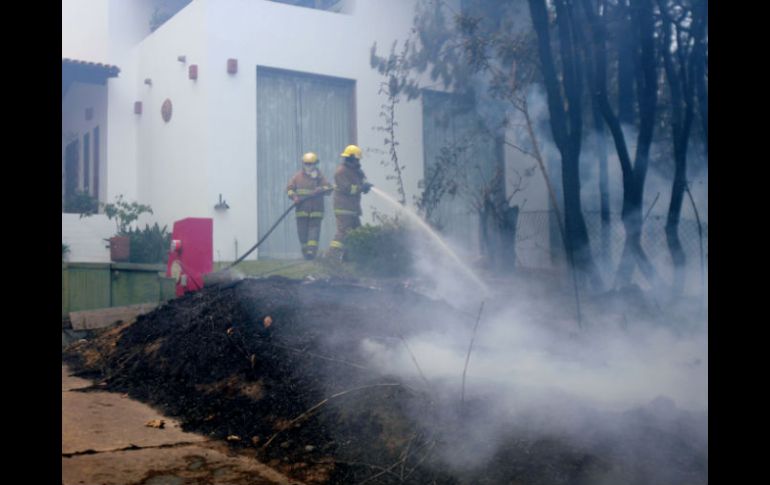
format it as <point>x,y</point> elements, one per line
<point>88,286</point>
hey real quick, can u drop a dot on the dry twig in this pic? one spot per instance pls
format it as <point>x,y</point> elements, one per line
<point>468,357</point>
<point>309,412</point>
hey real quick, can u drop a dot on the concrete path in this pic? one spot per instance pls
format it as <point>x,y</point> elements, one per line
<point>105,441</point>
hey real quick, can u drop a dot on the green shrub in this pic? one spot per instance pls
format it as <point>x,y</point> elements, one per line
<point>81,202</point>
<point>381,250</point>
<point>149,245</point>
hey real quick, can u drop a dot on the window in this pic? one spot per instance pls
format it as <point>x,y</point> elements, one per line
<point>95,191</point>
<point>71,165</point>
<point>462,156</point>
<point>86,162</point>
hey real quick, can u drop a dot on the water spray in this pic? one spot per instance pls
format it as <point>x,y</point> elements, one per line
<point>412,216</point>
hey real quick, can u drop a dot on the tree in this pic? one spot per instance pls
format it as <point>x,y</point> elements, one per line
<point>565,106</point>
<point>461,173</point>
<point>394,70</point>
<point>485,51</point>
<point>613,60</point>
<point>683,48</point>
<point>640,22</point>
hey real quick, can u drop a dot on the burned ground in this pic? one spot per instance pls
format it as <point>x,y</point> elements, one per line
<point>277,366</point>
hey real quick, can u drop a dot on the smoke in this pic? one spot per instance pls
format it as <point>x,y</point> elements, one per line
<point>440,277</point>
<point>657,194</point>
<point>533,372</point>
<point>633,367</point>
<point>234,274</point>
<point>606,365</point>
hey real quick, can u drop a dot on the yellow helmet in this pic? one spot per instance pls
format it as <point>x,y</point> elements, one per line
<point>309,157</point>
<point>351,151</point>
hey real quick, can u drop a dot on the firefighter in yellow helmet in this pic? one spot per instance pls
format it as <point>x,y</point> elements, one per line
<point>349,183</point>
<point>309,213</point>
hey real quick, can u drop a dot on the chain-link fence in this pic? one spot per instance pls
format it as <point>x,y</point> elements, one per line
<point>539,245</point>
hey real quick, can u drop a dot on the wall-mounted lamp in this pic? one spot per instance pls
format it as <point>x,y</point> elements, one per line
<point>193,71</point>
<point>232,66</point>
<point>222,205</point>
<point>137,107</point>
<point>181,59</point>
<point>148,82</point>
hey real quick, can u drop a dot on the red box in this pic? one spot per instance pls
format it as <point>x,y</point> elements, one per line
<point>193,71</point>
<point>192,253</point>
<point>232,66</point>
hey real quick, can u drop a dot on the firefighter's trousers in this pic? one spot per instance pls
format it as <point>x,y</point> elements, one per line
<point>309,231</point>
<point>345,224</point>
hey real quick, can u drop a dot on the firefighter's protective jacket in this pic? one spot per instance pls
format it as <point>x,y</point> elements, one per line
<point>348,183</point>
<point>302,185</point>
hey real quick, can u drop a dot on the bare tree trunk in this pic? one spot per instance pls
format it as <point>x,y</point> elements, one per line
<point>678,256</point>
<point>604,188</point>
<point>700,12</point>
<point>566,124</point>
<point>681,79</point>
<point>641,19</point>
<point>625,66</point>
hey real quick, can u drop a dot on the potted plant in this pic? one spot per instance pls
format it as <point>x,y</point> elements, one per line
<point>124,213</point>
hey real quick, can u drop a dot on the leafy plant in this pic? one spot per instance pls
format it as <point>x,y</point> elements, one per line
<point>124,213</point>
<point>380,250</point>
<point>81,202</point>
<point>149,245</point>
<point>65,249</point>
<point>394,70</point>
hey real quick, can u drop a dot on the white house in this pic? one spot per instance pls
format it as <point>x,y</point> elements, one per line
<point>219,102</point>
<point>192,106</point>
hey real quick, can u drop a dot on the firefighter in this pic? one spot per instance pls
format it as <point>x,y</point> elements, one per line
<point>349,183</point>
<point>309,213</point>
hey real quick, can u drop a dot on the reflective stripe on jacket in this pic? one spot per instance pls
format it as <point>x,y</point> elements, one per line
<point>348,182</point>
<point>302,185</point>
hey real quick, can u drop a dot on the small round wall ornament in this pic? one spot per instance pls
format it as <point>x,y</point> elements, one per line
<point>166,110</point>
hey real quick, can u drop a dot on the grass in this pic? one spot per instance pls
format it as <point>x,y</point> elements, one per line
<point>290,268</point>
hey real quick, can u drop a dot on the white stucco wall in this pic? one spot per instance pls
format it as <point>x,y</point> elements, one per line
<point>85,33</point>
<point>106,30</point>
<point>209,146</point>
<point>86,237</point>
<point>128,24</point>
<point>121,170</point>
<point>172,157</point>
<point>300,39</point>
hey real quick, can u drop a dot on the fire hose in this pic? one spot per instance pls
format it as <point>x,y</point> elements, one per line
<point>277,222</point>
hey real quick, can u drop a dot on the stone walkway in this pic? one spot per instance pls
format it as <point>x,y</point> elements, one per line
<point>105,441</point>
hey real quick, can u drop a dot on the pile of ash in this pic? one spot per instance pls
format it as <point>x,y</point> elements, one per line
<point>277,366</point>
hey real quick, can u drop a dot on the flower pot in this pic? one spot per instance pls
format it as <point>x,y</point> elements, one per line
<point>120,248</point>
